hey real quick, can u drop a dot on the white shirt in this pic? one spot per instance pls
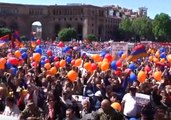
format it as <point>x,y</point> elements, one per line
<point>14,111</point>
<point>130,106</point>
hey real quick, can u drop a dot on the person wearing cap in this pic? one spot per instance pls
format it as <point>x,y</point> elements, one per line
<point>129,104</point>
<point>30,111</point>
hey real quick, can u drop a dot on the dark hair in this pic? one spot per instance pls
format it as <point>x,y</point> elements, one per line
<point>10,99</point>
<point>148,111</point>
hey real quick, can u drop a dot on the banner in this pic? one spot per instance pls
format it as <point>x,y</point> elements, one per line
<point>119,46</point>
<point>57,51</point>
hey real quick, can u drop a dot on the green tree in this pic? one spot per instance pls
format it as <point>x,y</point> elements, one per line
<point>91,37</point>
<point>67,34</point>
<point>125,28</point>
<point>162,26</point>
<point>4,31</point>
<point>142,27</point>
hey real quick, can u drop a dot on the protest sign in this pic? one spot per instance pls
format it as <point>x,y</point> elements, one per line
<point>142,99</point>
<point>119,46</point>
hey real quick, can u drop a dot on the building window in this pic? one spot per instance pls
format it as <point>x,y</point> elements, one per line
<point>75,19</point>
<point>92,31</point>
<point>92,25</point>
<point>70,19</point>
<point>81,19</point>
<point>59,19</point>
<point>64,19</point>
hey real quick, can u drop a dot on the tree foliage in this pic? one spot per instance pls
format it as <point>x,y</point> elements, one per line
<point>4,31</point>
<point>91,37</point>
<point>67,34</point>
<point>162,26</point>
<point>137,27</point>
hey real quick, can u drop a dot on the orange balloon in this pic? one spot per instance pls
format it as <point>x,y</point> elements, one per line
<point>151,58</point>
<point>62,63</point>
<point>157,54</point>
<point>141,76</point>
<point>99,64</point>
<point>87,66</point>
<point>53,70</point>
<point>155,60</point>
<point>116,106</point>
<point>36,57</point>
<point>78,62</point>
<point>72,75</point>
<point>47,66</point>
<point>17,53</point>
<point>105,60</point>
<point>123,56</point>
<point>2,66</point>
<point>3,61</point>
<point>96,58</point>
<point>157,75</point>
<point>162,60</point>
<point>169,58</point>
<point>104,66</point>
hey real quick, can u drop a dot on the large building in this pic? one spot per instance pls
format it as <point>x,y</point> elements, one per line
<point>86,19</point>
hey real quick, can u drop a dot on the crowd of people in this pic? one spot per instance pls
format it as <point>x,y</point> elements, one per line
<point>31,90</point>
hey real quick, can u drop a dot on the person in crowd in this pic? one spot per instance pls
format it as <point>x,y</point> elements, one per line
<point>106,112</point>
<point>30,111</point>
<point>11,109</point>
<point>70,115</point>
<point>129,104</point>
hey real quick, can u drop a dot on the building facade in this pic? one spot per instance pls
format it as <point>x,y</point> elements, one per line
<point>86,19</point>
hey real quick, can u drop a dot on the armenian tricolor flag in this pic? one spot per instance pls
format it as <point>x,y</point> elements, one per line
<point>4,39</point>
<point>138,52</point>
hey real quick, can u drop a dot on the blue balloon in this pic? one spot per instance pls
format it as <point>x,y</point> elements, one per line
<point>42,63</point>
<point>113,65</point>
<point>120,53</point>
<point>14,69</point>
<point>9,65</point>
<point>132,77</point>
<point>68,59</point>
<point>22,50</point>
<point>162,49</point>
<point>132,119</point>
<point>38,50</point>
<point>103,53</point>
<point>66,49</point>
<point>163,55</point>
<point>132,67</point>
<point>44,58</point>
<point>24,55</point>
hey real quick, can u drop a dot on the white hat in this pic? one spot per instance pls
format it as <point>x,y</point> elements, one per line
<point>98,94</point>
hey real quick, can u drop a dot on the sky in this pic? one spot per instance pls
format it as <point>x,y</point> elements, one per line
<point>154,6</point>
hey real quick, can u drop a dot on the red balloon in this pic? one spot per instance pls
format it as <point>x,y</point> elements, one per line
<point>13,61</point>
<point>56,58</point>
<point>38,42</point>
<point>118,72</point>
<point>49,53</point>
<point>57,64</point>
<point>47,61</point>
<point>108,57</point>
<point>73,62</point>
<point>119,63</point>
<point>147,69</point>
<point>93,66</point>
<point>60,44</point>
